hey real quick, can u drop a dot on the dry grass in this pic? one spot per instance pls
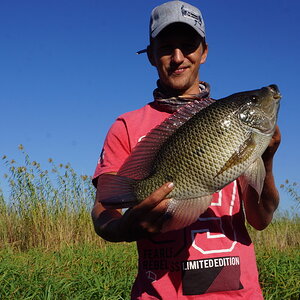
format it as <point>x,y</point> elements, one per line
<point>50,208</point>
<point>282,234</point>
<point>45,208</point>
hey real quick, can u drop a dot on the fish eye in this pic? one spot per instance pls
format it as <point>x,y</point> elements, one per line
<point>254,98</point>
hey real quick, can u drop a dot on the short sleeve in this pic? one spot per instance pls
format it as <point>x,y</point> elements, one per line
<point>115,150</point>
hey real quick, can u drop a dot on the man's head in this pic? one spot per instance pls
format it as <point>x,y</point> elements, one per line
<point>177,46</point>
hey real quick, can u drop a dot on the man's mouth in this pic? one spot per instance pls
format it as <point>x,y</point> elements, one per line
<point>178,71</point>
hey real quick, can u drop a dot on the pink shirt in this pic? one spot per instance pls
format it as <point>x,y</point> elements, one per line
<point>211,259</point>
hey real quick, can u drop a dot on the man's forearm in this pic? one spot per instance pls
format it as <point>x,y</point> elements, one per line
<point>106,224</point>
<point>112,226</point>
<point>141,221</point>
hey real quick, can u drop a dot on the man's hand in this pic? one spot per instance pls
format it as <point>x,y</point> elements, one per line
<point>138,222</point>
<point>147,217</point>
<point>272,148</point>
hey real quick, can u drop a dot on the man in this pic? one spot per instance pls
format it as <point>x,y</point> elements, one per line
<point>213,258</point>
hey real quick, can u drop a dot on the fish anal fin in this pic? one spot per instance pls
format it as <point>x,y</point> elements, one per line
<point>185,212</point>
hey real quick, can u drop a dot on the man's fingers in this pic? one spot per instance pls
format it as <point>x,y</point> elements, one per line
<point>277,136</point>
<point>273,145</point>
<point>154,220</point>
<point>155,198</point>
<point>144,216</point>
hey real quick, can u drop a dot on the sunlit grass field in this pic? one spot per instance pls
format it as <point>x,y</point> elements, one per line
<point>48,248</point>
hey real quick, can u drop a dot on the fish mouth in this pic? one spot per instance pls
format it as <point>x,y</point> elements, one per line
<point>275,91</point>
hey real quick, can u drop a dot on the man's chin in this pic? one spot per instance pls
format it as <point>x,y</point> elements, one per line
<point>175,88</point>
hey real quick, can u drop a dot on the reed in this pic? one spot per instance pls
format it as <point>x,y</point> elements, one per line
<point>282,234</point>
<point>50,207</point>
<point>45,208</point>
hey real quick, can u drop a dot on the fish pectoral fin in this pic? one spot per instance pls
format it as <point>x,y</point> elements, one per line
<point>254,176</point>
<point>184,212</point>
<point>240,155</point>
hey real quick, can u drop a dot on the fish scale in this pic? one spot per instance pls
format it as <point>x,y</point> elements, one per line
<point>202,169</point>
<point>201,148</point>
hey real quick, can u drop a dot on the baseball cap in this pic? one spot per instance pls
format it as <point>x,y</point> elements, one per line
<point>173,12</point>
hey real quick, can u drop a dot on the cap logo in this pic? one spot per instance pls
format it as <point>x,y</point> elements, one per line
<point>187,13</point>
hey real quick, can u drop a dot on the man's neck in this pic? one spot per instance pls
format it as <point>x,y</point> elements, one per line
<point>170,92</point>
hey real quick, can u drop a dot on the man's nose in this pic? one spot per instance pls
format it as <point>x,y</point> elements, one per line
<point>177,56</point>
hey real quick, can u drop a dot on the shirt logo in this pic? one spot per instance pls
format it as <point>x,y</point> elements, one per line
<point>211,275</point>
<point>151,276</point>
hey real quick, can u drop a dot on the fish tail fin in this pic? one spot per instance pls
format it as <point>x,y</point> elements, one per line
<point>185,212</point>
<point>116,191</point>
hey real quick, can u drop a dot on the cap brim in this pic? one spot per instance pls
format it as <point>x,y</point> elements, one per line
<point>159,29</point>
<point>141,51</point>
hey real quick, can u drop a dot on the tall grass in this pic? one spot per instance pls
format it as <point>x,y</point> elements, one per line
<point>50,207</point>
<point>45,207</point>
<point>282,234</point>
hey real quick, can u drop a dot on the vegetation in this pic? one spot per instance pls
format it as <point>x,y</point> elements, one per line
<point>293,190</point>
<point>45,208</point>
<point>82,271</point>
<point>48,248</point>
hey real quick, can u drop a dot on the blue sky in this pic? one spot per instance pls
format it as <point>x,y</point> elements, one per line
<point>69,68</point>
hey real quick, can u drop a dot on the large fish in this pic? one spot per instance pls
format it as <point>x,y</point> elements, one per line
<point>201,148</point>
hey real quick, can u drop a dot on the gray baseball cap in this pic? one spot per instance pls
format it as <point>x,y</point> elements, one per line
<point>173,12</point>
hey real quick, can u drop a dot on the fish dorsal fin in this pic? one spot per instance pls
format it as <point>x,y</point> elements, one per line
<point>139,163</point>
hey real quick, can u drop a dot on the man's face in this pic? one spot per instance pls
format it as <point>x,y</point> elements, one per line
<point>177,53</point>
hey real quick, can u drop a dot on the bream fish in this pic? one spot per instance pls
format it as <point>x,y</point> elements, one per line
<point>202,147</point>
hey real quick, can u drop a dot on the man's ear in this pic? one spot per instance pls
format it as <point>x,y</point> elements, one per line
<point>150,55</point>
<point>204,54</point>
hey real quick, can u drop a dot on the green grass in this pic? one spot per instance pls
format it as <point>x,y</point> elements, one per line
<point>107,272</point>
<point>48,248</point>
<point>81,272</point>
<point>279,273</point>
